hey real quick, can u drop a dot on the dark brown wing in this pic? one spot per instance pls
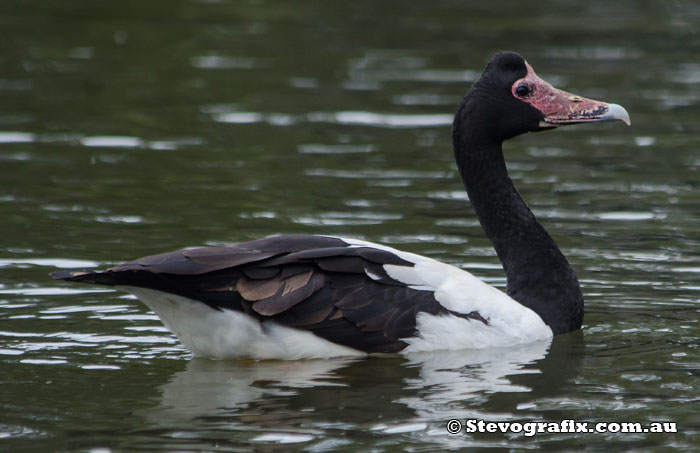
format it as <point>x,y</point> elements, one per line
<point>316,283</point>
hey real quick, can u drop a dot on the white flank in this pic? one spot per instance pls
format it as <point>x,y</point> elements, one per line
<point>437,332</point>
<point>221,334</point>
<point>509,322</point>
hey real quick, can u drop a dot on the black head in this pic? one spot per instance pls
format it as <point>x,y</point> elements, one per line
<point>509,99</point>
<point>490,105</point>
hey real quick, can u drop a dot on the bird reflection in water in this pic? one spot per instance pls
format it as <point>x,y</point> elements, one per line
<point>328,395</point>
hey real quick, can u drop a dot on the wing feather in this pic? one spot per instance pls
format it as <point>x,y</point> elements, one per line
<point>340,291</point>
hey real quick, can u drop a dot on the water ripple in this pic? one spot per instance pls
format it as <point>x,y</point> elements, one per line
<point>223,62</point>
<point>62,263</point>
<point>16,137</point>
<point>283,438</point>
<point>52,291</point>
<point>378,174</point>
<point>350,118</point>
<point>359,118</point>
<point>346,218</point>
<point>317,148</point>
<point>112,142</point>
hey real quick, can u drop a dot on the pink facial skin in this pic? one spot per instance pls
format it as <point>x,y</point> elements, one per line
<point>558,107</point>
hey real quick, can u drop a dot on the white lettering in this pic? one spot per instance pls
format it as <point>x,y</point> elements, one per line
<point>529,429</point>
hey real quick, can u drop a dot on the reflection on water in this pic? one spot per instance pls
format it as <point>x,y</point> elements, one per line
<point>212,388</point>
<point>422,392</point>
<point>460,375</point>
<point>186,123</point>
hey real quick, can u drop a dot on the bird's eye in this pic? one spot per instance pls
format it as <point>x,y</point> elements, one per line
<point>522,90</point>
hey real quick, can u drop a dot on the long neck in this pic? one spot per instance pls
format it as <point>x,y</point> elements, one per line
<point>539,276</point>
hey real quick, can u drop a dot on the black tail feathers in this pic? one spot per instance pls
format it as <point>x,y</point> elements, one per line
<point>84,276</point>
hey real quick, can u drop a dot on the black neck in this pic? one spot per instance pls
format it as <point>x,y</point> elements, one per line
<point>539,276</point>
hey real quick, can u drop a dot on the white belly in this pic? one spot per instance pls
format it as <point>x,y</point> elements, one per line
<point>221,334</point>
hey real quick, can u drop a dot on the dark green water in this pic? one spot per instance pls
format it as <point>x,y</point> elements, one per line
<point>130,128</point>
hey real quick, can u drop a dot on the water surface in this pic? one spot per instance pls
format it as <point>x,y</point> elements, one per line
<point>132,128</point>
